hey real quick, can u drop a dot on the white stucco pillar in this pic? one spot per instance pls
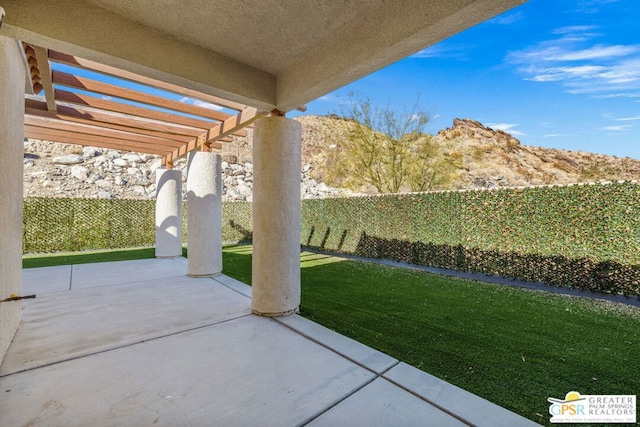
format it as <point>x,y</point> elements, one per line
<point>12,85</point>
<point>276,216</point>
<point>168,213</point>
<point>204,214</point>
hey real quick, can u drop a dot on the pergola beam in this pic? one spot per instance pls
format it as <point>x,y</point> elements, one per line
<point>118,107</point>
<point>167,127</point>
<point>74,138</point>
<point>67,118</point>
<point>219,131</point>
<point>45,77</point>
<point>136,78</point>
<point>93,131</point>
<point>64,79</point>
<point>65,111</point>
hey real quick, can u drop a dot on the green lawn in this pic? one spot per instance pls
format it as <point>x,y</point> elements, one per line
<point>49,260</point>
<point>514,347</point>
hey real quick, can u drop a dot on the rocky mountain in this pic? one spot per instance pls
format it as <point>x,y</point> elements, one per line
<point>482,158</point>
<point>487,158</point>
<point>491,158</point>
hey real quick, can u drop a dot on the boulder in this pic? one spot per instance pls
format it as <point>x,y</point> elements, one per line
<point>71,159</point>
<point>80,172</point>
<point>90,152</point>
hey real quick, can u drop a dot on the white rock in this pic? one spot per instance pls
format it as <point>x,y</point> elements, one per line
<point>71,159</point>
<point>102,183</point>
<point>155,165</point>
<point>234,195</point>
<point>120,162</point>
<point>89,152</point>
<point>244,190</point>
<point>134,171</point>
<point>130,157</point>
<point>80,172</point>
<point>103,194</point>
<point>138,189</point>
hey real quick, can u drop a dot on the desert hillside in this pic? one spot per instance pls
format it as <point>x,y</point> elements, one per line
<point>486,158</point>
<point>478,157</point>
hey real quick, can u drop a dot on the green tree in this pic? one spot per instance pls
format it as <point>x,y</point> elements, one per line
<point>429,169</point>
<point>385,149</point>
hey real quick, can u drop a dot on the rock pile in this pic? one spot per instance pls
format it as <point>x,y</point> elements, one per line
<point>477,131</point>
<point>60,170</point>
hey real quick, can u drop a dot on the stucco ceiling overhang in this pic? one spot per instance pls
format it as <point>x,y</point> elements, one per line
<point>263,53</point>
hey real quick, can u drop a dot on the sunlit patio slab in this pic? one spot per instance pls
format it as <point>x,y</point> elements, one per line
<point>46,279</point>
<point>381,403</point>
<point>91,275</point>
<point>66,325</point>
<point>176,350</point>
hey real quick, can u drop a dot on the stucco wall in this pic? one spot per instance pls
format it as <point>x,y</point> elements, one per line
<point>12,78</point>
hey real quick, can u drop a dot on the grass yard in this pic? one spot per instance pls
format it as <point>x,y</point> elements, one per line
<point>512,346</point>
<point>50,260</point>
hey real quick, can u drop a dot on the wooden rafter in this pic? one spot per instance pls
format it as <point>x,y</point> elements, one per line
<point>100,118</point>
<point>242,119</point>
<point>34,71</point>
<point>109,121</point>
<point>166,127</point>
<point>96,131</point>
<point>132,110</point>
<point>136,78</point>
<point>94,141</point>
<point>45,77</point>
<point>68,80</point>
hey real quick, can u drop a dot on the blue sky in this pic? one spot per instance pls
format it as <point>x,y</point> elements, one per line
<point>554,73</point>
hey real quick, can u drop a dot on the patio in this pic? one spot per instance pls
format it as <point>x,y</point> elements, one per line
<point>139,342</point>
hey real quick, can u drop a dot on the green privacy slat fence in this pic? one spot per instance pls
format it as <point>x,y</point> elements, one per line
<point>584,236</point>
<point>57,224</point>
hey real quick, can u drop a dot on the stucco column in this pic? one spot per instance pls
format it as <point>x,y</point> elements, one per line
<point>12,85</point>
<point>168,213</point>
<point>276,216</point>
<point>204,214</point>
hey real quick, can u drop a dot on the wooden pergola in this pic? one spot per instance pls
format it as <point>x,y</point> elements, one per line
<point>105,115</point>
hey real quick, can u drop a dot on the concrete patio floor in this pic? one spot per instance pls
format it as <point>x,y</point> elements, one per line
<point>140,343</point>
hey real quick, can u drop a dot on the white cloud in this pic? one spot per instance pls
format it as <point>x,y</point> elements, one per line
<point>581,66</point>
<point>202,104</point>
<point>506,127</point>
<point>617,128</point>
<point>556,135</point>
<point>442,50</point>
<point>592,6</point>
<point>507,18</point>
<point>573,29</point>
<point>595,52</point>
<point>335,99</point>
<point>619,95</point>
<point>628,119</point>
